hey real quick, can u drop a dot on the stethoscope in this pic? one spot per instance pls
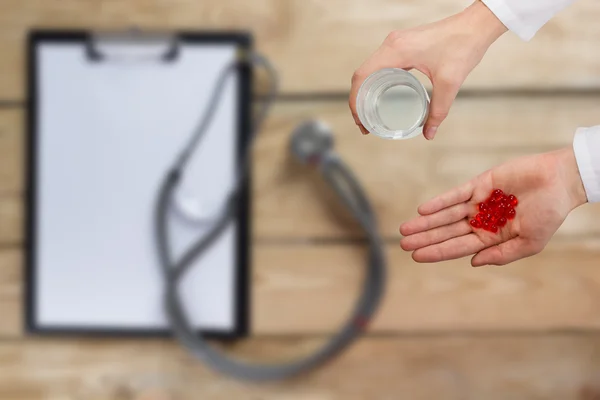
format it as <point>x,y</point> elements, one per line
<point>311,144</point>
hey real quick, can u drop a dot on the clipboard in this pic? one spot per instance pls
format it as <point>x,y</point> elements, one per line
<point>102,129</point>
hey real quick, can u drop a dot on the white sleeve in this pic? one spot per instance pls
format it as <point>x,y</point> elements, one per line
<point>586,145</point>
<point>526,17</point>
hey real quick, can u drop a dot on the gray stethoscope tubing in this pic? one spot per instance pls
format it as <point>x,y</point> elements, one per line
<point>349,191</point>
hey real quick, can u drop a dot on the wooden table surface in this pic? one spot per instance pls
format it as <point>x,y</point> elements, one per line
<point>529,330</point>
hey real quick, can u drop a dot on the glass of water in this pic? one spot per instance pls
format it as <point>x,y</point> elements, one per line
<point>393,104</point>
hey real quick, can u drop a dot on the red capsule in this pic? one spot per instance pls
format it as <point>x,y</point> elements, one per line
<point>498,195</point>
<point>511,213</point>
<point>494,218</point>
<point>495,211</point>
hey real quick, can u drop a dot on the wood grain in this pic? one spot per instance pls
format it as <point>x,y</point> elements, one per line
<point>312,289</point>
<point>11,220</point>
<point>419,345</point>
<point>292,201</point>
<point>559,288</point>
<point>12,282</point>
<point>11,152</point>
<point>516,367</point>
<point>316,45</point>
<point>399,175</point>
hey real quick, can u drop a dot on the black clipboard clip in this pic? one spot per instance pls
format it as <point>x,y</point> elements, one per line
<point>132,45</point>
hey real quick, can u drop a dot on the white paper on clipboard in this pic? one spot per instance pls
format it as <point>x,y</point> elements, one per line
<point>104,135</point>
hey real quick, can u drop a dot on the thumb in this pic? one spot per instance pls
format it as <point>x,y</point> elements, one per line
<point>444,93</point>
<point>504,253</point>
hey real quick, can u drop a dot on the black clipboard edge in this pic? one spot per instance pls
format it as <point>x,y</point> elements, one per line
<point>242,284</point>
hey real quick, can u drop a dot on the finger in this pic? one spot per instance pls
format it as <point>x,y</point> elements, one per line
<point>450,249</point>
<point>504,253</point>
<point>441,218</point>
<point>443,94</point>
<point>434,236</point>
<point>454,196</point>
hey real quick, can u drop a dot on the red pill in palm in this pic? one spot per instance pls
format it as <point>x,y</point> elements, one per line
<point>495,211</point>
<point>511,213</point>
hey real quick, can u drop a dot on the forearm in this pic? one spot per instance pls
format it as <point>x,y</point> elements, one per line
<point>483,23</point>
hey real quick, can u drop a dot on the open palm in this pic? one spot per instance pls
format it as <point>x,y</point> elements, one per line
<point>548,188</point>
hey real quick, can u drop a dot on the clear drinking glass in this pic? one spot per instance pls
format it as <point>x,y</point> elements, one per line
<point>393,104</point>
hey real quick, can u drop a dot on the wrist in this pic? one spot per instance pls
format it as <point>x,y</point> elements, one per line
<point>483,23</point>
<point>572,178</point>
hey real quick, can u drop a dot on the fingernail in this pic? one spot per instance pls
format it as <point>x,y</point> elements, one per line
<point>430,132</point>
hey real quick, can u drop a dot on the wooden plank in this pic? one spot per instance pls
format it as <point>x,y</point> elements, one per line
<point>529,122</point>
<point>11,151</point>
<point>479,134</point>
<point>317,45</point>
<point>11,291</point>
<point>312,289</point>
<point>556,289</point>
<point>565,367</point>
<point>292,202</point>
<point>11,220</point>
<point>11,176</point>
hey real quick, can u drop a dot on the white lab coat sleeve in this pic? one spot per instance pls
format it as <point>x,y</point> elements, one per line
<point>586,145</point>
<point>526,17</point>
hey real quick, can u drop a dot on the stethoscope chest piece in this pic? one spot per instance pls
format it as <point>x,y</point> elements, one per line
<point>311,142</point>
